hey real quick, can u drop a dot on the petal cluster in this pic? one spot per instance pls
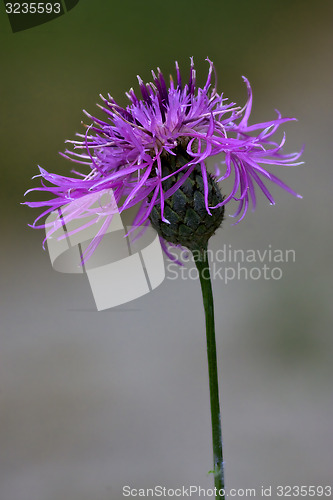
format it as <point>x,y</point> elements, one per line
<point>123,152</point>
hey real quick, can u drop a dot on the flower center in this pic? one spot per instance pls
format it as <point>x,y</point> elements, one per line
<point>190,225</point>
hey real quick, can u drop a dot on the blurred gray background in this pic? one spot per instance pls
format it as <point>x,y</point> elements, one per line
<point>92,401</point>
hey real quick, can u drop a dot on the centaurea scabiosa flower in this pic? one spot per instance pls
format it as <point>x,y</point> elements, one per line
<point>152,155</point>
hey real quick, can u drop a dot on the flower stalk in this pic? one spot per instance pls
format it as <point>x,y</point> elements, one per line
<point>201,261</point>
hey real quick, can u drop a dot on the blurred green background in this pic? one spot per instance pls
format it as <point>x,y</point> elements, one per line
<point>93,401</point>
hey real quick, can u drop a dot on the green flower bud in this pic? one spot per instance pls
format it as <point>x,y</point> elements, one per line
<point>190,225</point>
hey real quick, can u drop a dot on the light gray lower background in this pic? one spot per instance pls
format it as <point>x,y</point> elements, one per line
<point>92,401</point>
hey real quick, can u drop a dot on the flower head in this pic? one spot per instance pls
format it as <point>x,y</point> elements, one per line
<point>130,153</point>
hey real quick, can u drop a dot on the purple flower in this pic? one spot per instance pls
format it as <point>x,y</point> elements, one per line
<point>124,153</point>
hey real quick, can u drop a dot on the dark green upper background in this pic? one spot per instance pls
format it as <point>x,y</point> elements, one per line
<point>52,71</point>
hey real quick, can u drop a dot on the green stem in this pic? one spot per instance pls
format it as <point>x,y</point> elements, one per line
<point>201,261</point>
